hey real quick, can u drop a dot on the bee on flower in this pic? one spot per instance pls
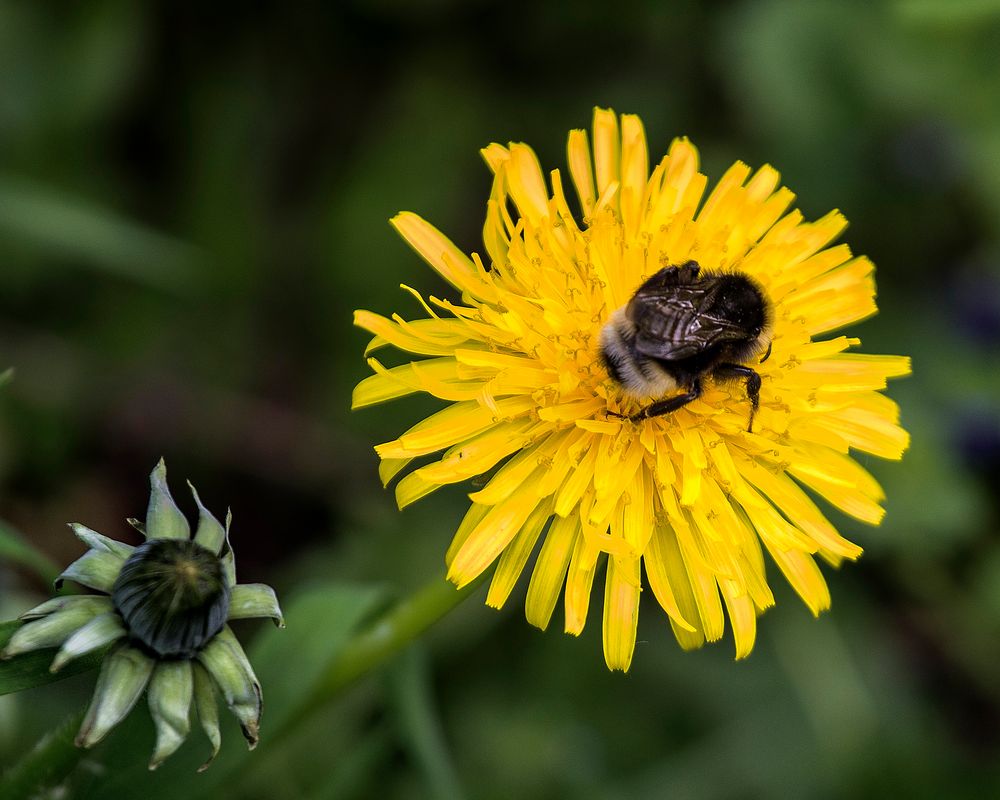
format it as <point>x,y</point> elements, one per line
<point>657,382</point>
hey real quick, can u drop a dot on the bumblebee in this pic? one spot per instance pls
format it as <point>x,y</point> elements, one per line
<point>682,325</point>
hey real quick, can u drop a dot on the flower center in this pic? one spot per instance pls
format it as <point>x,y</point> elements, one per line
<point>173,597</point>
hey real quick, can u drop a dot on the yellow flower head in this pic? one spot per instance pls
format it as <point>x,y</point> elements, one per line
<point>691,495</point>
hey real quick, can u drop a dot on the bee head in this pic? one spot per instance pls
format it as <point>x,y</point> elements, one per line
<point>741,301</point>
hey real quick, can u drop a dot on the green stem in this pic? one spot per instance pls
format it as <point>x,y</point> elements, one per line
<point>370,647</point>
<point>391,632</point>
<point>47,765</point>
<point>420,728</point>
<point>383,638</point>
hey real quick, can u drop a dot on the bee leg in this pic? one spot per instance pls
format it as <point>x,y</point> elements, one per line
<point>661,407</point>
<point>767,353</point>
<point>729,372</point>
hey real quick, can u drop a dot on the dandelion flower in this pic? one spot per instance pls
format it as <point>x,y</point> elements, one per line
<point>165,622</point>
<point>693,497</point>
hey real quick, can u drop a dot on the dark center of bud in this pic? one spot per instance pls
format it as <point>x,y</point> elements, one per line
<point>173,597</point>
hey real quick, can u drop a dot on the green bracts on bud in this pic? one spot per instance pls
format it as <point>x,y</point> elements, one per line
<point>55,628</point>
<point>228,665</point>
<point>124,675</point>
<point>100,542</point>
<point>96,569</point>
<point>101,630</point>
<point>164,519</point>
<point>209,534</point>
<point>228,557</point>
<point>165,622</point>
<point>252,600</point>
<point>57,604</point>
<point>170,692</point>
<point>208,710</point>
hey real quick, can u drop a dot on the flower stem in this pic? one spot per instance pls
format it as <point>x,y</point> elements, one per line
<point>391,632</point>
<point>47,765</point>
<point>383,638</point>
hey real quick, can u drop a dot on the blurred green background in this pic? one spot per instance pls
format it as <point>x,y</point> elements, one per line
<point>194,199</point>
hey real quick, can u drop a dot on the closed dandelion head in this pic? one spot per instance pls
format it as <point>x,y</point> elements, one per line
<point>163,612</point>
<point>608,367</point>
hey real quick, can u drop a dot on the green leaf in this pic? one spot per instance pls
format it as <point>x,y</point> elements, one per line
<point>410,684</point>
<point>55,221</point>
<point>954,13</point>
<point>32,669</point>
<point>351,775</point>
<point>15,549</point>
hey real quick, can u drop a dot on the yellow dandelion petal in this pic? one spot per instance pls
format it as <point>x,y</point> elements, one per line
<point>426,337</point>
<point>495,155</point>
<point>389,468</point>
<point>580,170</point>
<point>388,384</point>
<point>607,149</point>
<point>668,578</point>
<point>550,570</point>
<point>456,423</point>
<point>470,522</point>
<point>527,185</point>
<point>515,556</point>
<point>805,577</point>
<point>742,614</point>
<point>621,612</point>
<point>642,444</point>
<point>703,581</point>
<point>489,538</point>
<point>438,251</point>
<point>579,581</point>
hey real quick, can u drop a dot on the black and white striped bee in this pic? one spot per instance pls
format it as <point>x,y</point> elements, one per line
<point>682,325</point>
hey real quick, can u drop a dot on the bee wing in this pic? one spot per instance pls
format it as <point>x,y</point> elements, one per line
<point>671,325</point>
<point>664,317</point>
<point>667,351</point>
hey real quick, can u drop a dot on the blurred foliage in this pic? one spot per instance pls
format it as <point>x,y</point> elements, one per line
<point>194,198</point>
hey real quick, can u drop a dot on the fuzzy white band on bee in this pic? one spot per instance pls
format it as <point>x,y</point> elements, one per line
<point>639,376</point>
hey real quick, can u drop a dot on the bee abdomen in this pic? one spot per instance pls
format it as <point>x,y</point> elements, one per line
<point>637,374</point>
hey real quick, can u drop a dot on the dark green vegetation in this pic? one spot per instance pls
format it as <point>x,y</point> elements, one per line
<point>193,202</point>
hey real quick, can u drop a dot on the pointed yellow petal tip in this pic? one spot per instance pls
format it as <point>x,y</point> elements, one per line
<point>494,155</point>
<point>460,579</point>
<point>682,147</point>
